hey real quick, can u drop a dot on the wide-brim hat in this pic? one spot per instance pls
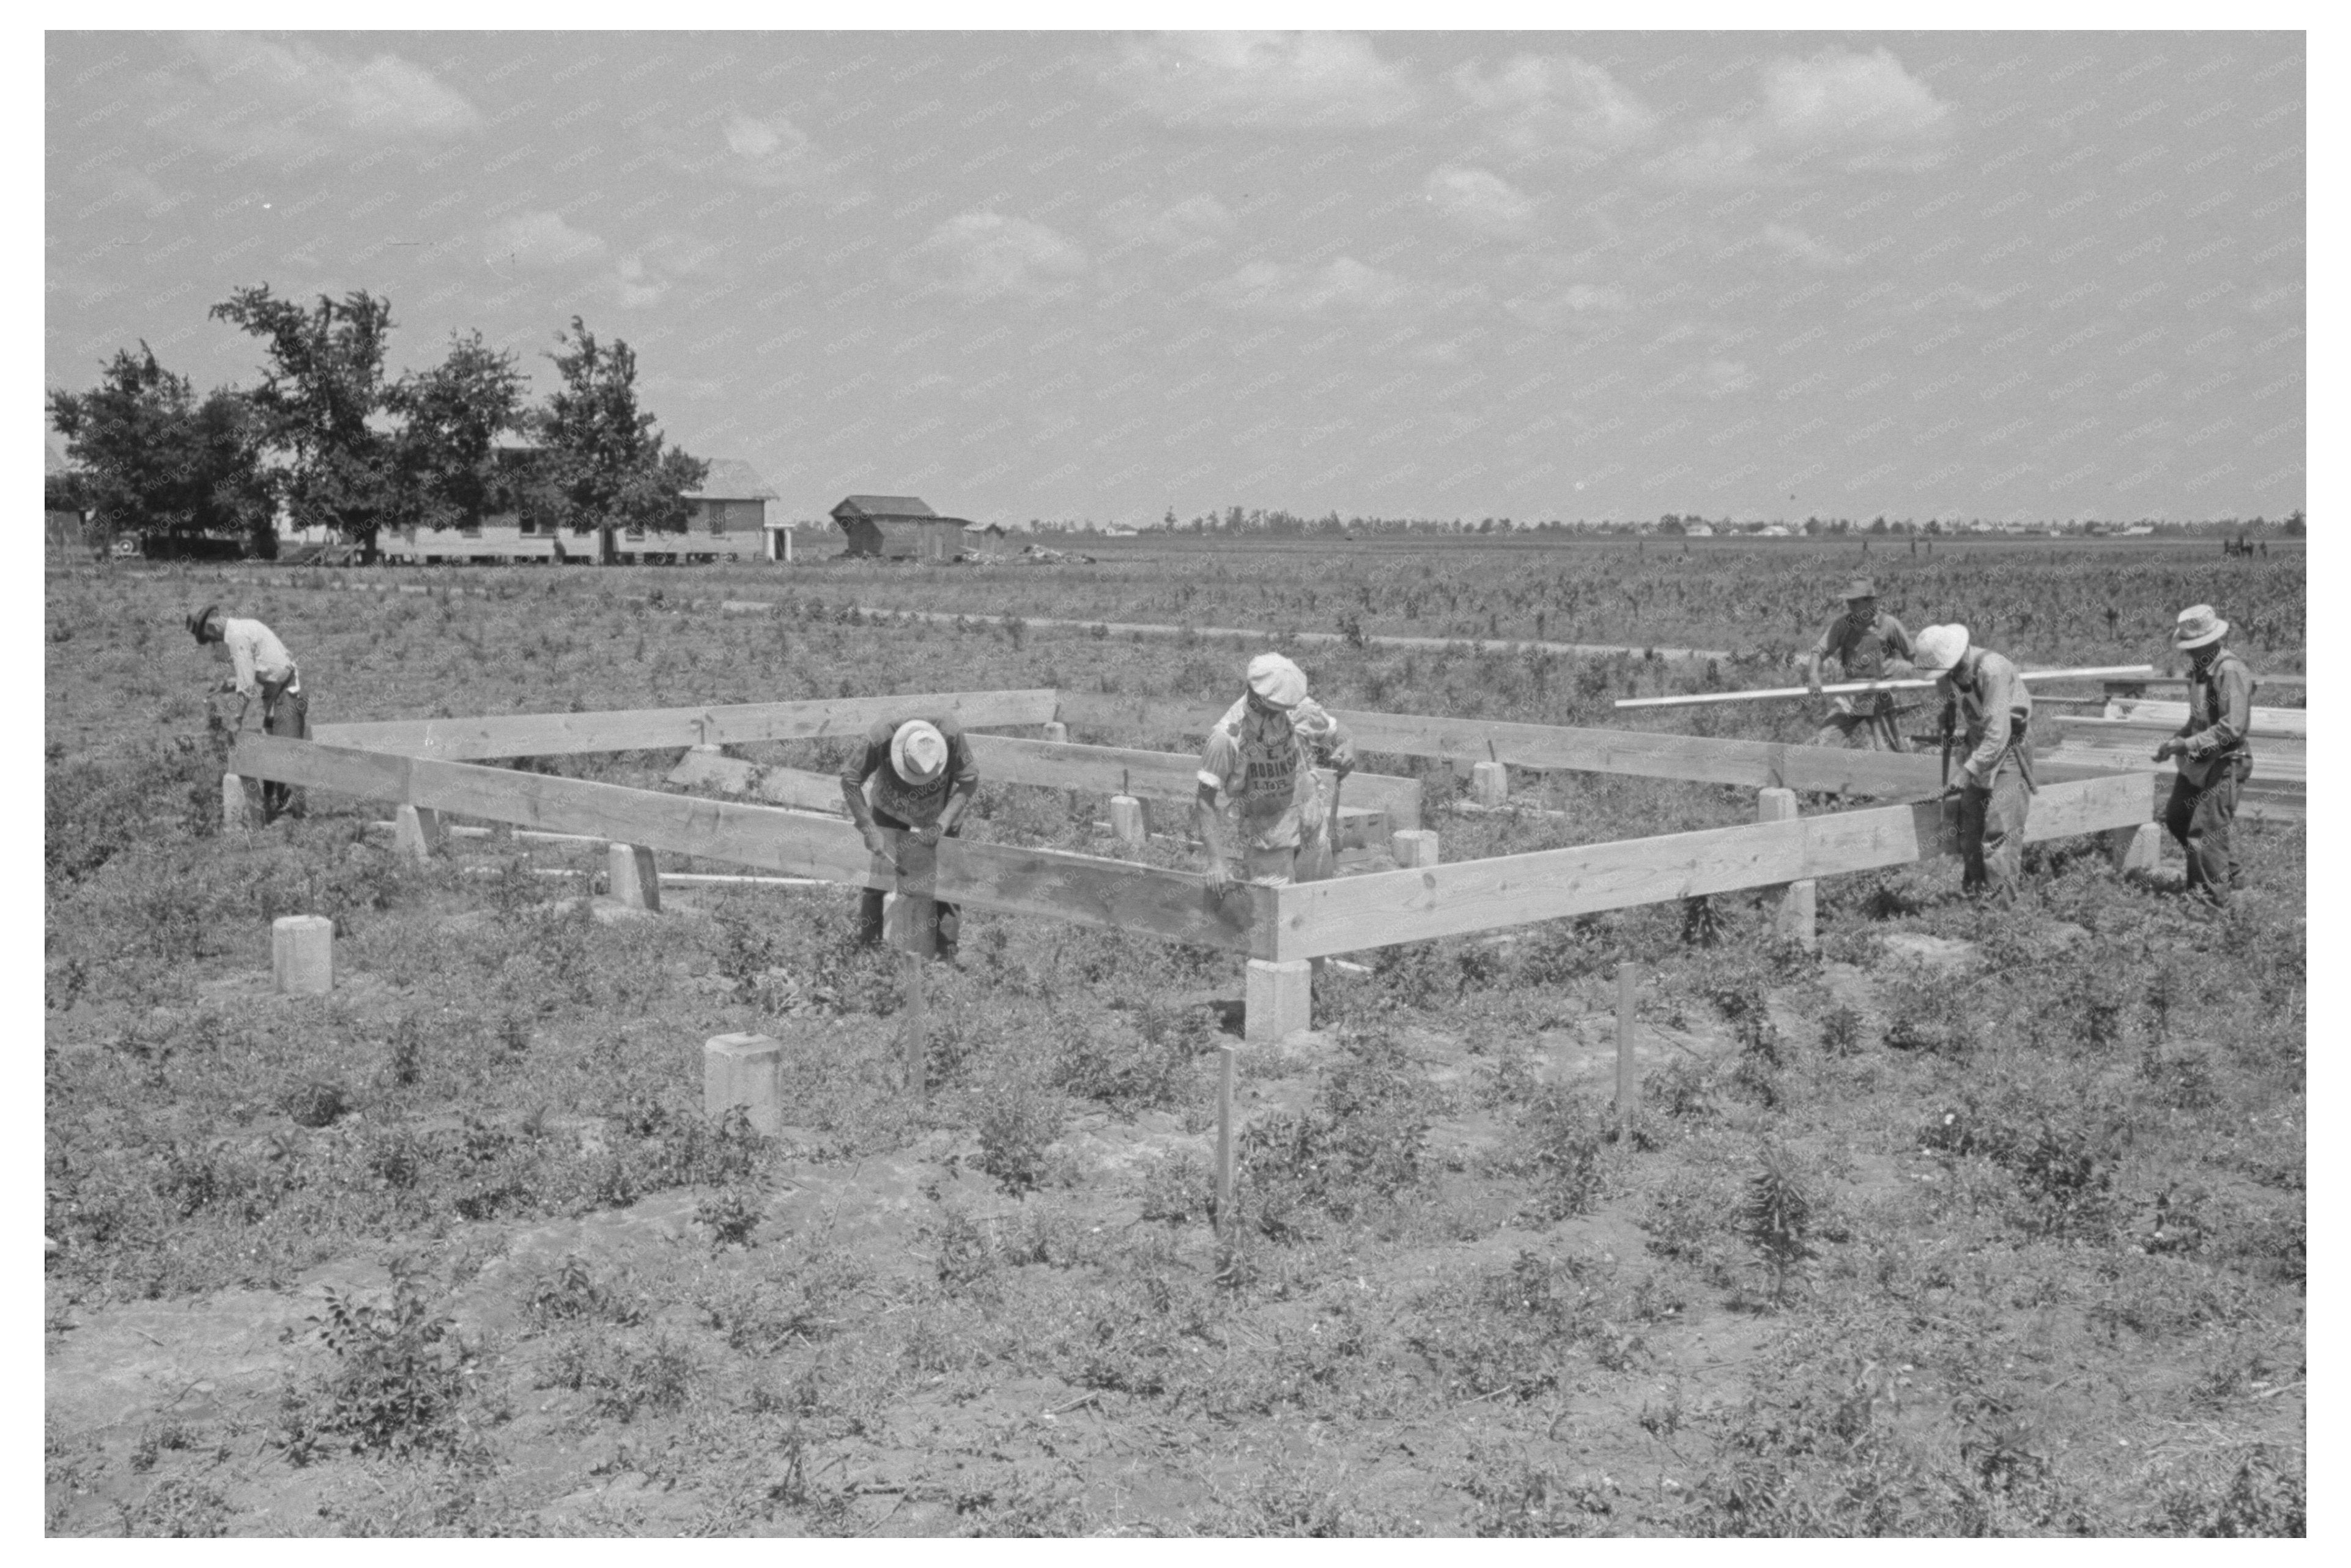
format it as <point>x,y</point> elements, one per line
<point>1277,681</point>
<point>918,751</point>
<point>1938,648</point>
<point>196,622</point>
<point>1859,588</point>
<point>2197,625</point>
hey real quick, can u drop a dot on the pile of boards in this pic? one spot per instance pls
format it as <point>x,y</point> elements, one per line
<point>2127,733</point>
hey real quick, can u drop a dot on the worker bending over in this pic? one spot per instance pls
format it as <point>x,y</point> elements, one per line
<point>1995,780</point>
<point>1261,757</point>
<point>260,667</point>
<point>917,776</point>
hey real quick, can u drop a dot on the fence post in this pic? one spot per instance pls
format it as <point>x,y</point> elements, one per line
<point>1226,1056</point>
<point>1279,1000</point>
<point>744,1070</point>
<point>302,955</point>
<point>1796,901</point>
<point>1057,732</point>
<point>635,881</point>
<point>1126,822</point>
<point>2136,848</point>
<point>1628,1083</point>
<point>417,831</point>
<point>1412,846</point>
<point>240,802</point>
<point>910,924</point>
<point>1489,783</point>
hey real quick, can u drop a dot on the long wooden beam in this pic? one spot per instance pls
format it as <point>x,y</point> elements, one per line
<point>1417,904</point>
<point>633,729</point>
<point>1085,889</point>
<point>1156,775</point>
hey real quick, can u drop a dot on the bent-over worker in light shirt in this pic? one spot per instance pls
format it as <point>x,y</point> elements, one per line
<point>1261,757</point>
<point>262,667</point>
<point>917,776</point>
<point>1995,782</point>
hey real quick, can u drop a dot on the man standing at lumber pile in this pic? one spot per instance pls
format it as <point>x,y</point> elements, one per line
<point>1995,779</point>
<point>2215,758</point>
<point>1868,645</point>
<point>1262,755</point>
<point>917,776</point>
<point>261,667</point>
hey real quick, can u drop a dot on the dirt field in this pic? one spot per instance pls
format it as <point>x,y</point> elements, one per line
<point>1969,1224</point>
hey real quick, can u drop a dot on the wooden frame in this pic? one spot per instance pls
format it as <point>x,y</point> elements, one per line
<point>420,763</point>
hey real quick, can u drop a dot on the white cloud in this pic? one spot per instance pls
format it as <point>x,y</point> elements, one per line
<point>1584,303</point>
<point>1796,244</point>
<point>1720,378</point>
<point>1345,286</point>
<point>985,256</point>
<point>543,241</point>
<point>771,154</point>
<point>1481,201</point>
<point>1315,80</point>
<point>1199,222</point>
<point>1848,110</point>
<point>1555,106</point>
<point>301,90</point>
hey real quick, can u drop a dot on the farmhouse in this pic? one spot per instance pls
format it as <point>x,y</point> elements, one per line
<point>726,519</point>
<point>898,527</point>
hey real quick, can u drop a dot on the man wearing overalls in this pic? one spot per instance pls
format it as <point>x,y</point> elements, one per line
<point>1995,780</point>
<point>1868,645</point>
<point>265,669</point>
<point>1261,757</point>
<point>2214,758</point>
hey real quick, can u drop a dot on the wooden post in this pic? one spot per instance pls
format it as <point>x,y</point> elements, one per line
<point>1797,901</point>
<point>240,802</point>
<point>417,831</point>
<point>2136,848</point>
<point>1126,822</point>
<point>744,1070</point>
<point>910,924</point>
<point>636,882</point>
<point>1279,1000</point>
<point>1628,1083</point>
<point>1489,783</point>
<point>1057,732</point>
<point>918,1025</point>
<point>1226,1057</point>
<point>1412,846</point>
<point>302,955</point>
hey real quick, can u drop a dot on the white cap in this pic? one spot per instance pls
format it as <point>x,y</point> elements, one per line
<point>918,751</point>
<point>1938,648</point>
<point>1277,681</point>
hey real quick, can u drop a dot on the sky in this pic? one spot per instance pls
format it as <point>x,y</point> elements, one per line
<point>1430,275</point>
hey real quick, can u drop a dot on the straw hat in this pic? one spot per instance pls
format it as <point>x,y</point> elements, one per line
<point>1859,588</point>
<point>196,622</point>
<point>1277,681</point>
<point>918,751</point>
<point>1938,648</point>
<point>2197,625</point>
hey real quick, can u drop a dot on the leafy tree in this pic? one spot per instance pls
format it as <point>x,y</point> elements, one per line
<point>2295,527</point>
<point>602,465</point>
<point>323,384</point>
<point>153,462</point>
<point>444,457</point>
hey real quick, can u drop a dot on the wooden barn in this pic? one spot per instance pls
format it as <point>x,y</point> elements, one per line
<point>727,520</point>
<point>898,527</point>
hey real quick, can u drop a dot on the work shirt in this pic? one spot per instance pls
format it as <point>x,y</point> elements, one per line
<point>257,654</point>
<point>1995,706</point>
<point>1860,647</point>
<point>916,805</point>
<point>1264,763</point>
<point>2220,712</point>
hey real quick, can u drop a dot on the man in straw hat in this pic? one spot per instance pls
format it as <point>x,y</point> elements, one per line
<point>916,775</point>
<point>260,667</point>
<point>1261,757</point>
<point>1995,779</point>
<point>2214,758</point>
<point>1868,645</point>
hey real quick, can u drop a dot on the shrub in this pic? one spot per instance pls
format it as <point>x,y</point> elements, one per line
<point>1360,1143</point>
<point>1776,1215</point>
<point>1018,1122</point>
<point>398,1376</point>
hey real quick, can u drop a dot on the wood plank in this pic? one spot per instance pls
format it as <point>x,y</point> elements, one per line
<point>1420,902</point>
<point>1083,889</point>
<point>2292,722</point>
<point>1172,776</point>
<point>794,787</point>
<point>370,775</point>
<point>731,724</point>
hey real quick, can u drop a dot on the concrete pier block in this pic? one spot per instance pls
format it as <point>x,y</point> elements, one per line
<point>2136,848</point>
<point>1057,732</point>
<point>1794,915</point>
<point>1489,783</point>
<point>636,882</point>
<point>910,924</point>
<point>746,1070</point>
<point>1127,823</point>
<point>240,802</point>
<point>1412,846</point>
<point>417,831</point>
<point>1279,1000</point>
<point>302,955</point>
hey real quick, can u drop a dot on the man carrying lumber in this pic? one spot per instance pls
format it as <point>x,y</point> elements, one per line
<point>1995,779</point>
<point>917,776</point>
<point>261,666</point>
<point>2214,758</point>
<point>1869,645</point>
<point>1261,757</point>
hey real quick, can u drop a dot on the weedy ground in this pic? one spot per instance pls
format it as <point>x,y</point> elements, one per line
<point>1966,1224</point>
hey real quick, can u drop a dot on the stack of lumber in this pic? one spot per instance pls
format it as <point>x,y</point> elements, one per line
<point>2133,727</point>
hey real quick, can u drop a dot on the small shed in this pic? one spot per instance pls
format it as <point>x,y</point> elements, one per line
<point>898,527</point>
